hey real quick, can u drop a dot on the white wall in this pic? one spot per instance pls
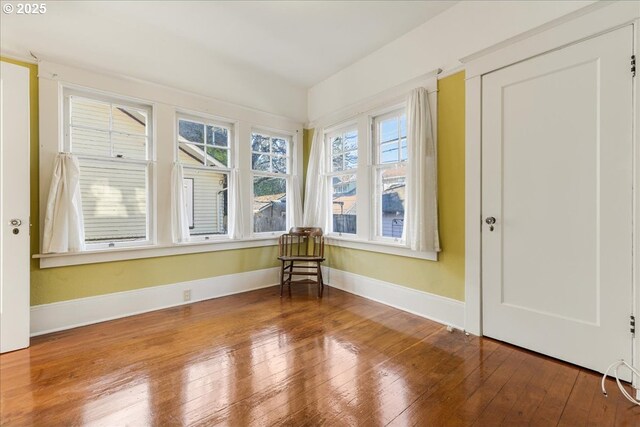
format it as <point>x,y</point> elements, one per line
<point>466,28</point>
<point>102,37</point>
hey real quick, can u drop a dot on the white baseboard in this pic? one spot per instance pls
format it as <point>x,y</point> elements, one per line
<point>434,307</point>
<point>63,315</point>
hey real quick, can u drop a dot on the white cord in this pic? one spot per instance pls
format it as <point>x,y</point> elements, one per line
<point>617,366</point>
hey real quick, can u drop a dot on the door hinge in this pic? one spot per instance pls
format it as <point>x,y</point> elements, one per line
<point>633,65</point>
<point>632,324</point>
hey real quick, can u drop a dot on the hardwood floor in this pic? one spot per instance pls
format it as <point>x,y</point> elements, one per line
<point>256,359</point>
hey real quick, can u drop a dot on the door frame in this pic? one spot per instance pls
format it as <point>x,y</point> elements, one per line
<point>585,23</point>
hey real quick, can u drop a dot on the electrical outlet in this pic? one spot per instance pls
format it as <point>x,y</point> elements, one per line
<point>186,295</point>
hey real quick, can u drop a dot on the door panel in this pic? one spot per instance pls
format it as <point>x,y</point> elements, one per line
<point>14,183</point>
<point>557,176</point>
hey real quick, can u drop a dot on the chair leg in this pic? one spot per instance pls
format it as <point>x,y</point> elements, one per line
<point>319,279</point>
<point>290,276</point>
<point>281,279</point>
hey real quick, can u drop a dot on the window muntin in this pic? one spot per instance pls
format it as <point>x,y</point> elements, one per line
<point>343,149</point>
<point>112,141</point>
<point>105,129</point>
<point>204,150</point>
<point>208,143</point>
<point>390,147</point>
<point>271,178</point>
<point>269,153</point>
<point>392,143</point>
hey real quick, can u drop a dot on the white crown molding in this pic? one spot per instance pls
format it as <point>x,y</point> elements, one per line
<point>8,54</point>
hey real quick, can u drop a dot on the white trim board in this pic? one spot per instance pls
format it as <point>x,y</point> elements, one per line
<point>149,251</point>
<point>424,304</point>
<point>63,315</point>
<point>379,246</point>
<point>585,23</point>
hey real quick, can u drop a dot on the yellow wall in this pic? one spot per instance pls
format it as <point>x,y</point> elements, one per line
<point>65,283</point>
<point>446,276</point>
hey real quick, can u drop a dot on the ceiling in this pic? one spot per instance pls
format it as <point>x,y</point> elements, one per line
<point>300,42</point>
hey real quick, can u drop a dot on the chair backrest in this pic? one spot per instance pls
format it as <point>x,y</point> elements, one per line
<point>306,231</point>
<point>302,241</point>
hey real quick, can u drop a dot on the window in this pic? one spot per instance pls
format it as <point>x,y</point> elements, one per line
<point>343,149</point>
<point>127,138</point>
<point>366,164</point>
<point>112,140</point>
<point>390,153</point>
<point>270,165</point>
<point>204,150</point>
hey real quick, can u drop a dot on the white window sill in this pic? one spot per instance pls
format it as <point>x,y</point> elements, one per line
<point>149,251</point>
<point>380,247</point>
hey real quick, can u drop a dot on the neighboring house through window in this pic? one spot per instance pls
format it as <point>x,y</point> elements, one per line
<point>343,149</point>
<point>390,154</point>
<point>112,139</point>
<point>204,150</point>
<point>271,173</point>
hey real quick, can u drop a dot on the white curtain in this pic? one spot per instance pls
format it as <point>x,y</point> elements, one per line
<point>421,210</point>
<point>316,194</point>
<point>235,221</point>
<point>63,221</point>
<point>296,214</point>
<point>179,213</point>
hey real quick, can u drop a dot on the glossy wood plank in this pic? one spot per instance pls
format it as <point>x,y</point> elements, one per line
<point>576,411</point>
<point>452,405</point>
<point>257,359</point>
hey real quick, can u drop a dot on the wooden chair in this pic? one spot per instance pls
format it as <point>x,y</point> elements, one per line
<point>302,253</point>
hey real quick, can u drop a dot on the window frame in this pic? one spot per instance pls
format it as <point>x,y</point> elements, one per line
<point>330,133</point>
<point>287,176</point>
<point>378,169</point>
<point>206,120</point>
<point>364,115</point>
<point>65,145</point>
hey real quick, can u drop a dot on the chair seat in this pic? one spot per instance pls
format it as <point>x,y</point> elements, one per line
<point>300,258</point>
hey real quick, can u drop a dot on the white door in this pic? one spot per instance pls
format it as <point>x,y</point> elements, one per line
<point>557,174</point>
<point>14,215</point>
